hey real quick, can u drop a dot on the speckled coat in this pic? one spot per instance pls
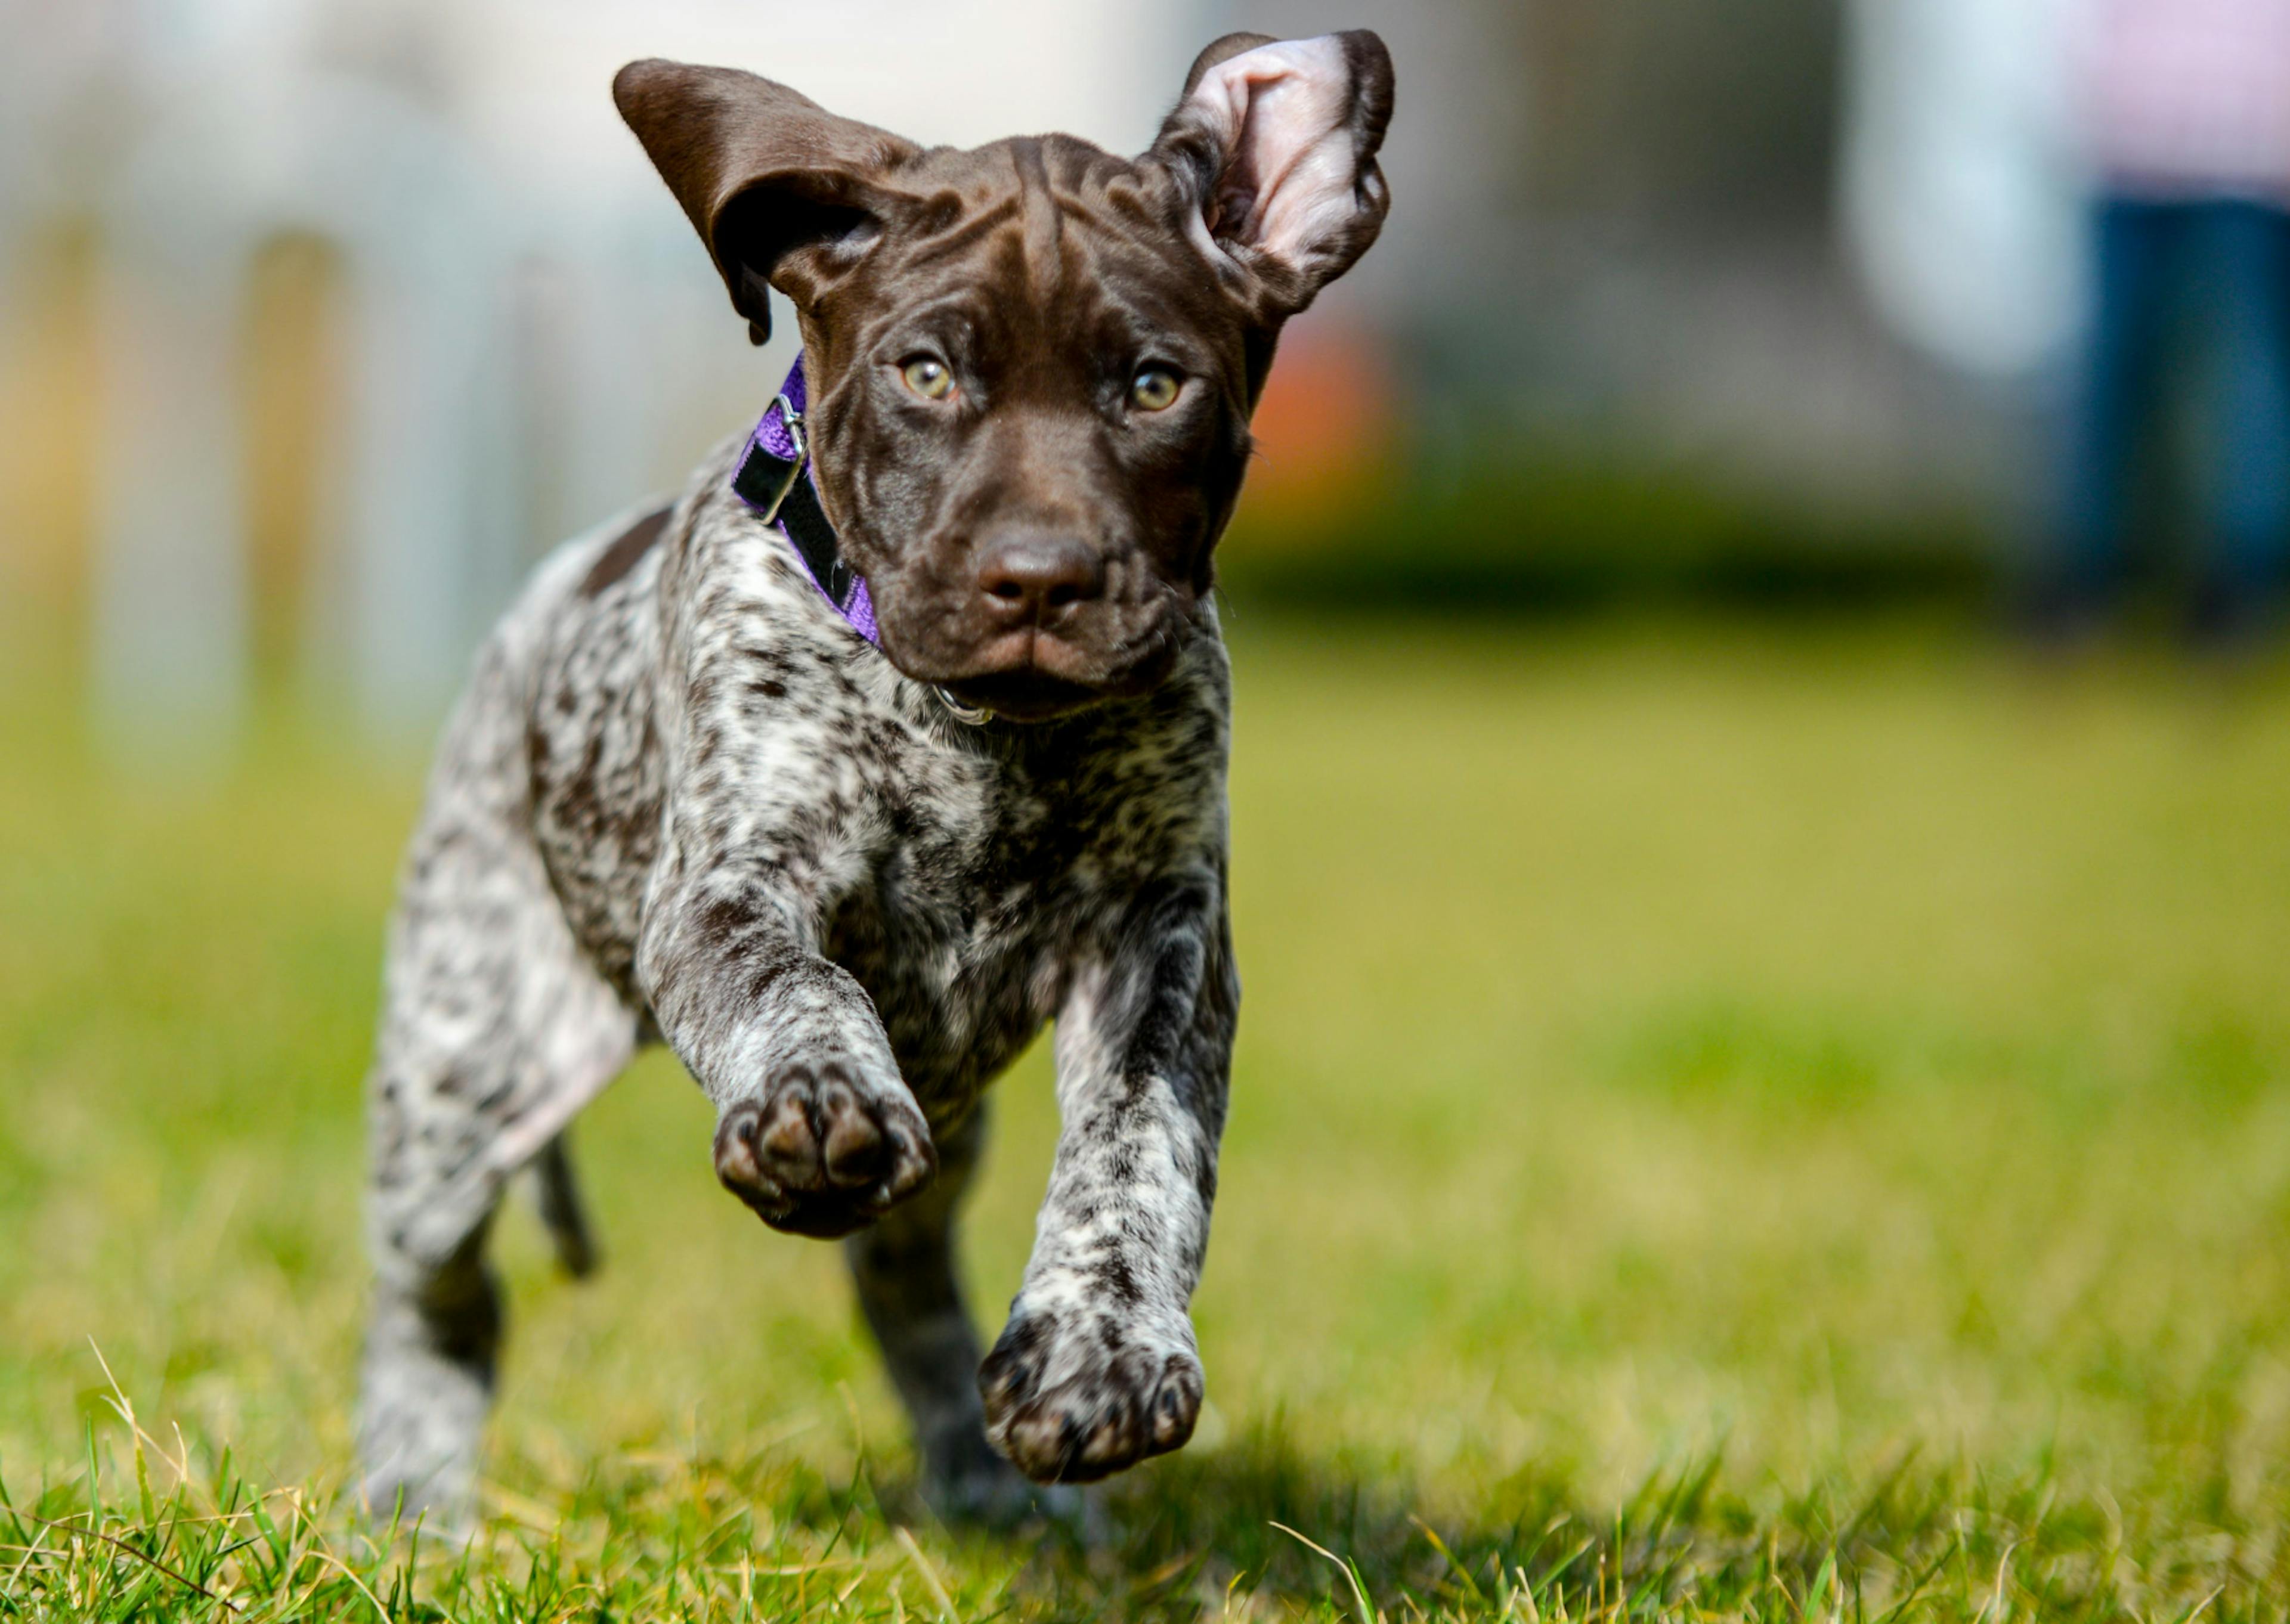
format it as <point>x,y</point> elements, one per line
<point>684,800</point>
<point>885,881</point>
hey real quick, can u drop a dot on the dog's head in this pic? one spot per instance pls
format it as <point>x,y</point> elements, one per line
<point>1032,366</point>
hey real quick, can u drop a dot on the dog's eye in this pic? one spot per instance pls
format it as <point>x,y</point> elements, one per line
<point>928,377</point>
<point>1154,389</point>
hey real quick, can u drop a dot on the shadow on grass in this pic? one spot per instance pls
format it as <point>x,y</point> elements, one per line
<point>1259,1522</point>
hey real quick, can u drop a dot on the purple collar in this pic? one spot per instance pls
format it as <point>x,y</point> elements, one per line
<point>774,480</point>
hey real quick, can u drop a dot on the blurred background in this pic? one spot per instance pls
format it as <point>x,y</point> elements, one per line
<point>1712,996</point>
<point>324,317</point>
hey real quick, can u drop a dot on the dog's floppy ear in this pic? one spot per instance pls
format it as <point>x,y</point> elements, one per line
<point>1275,141</point>
<point>785,194</point>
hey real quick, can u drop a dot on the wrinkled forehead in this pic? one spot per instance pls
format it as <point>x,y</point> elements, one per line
<point>1049,228</point>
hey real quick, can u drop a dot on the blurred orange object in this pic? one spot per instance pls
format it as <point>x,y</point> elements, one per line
<point>1324,429</point>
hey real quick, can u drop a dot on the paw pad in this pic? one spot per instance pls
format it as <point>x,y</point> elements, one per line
<point>820,1154</point>
<point>1109,1404</point>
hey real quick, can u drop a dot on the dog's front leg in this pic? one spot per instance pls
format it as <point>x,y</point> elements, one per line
<point>1097,1368</point>
<point>815,1129</point>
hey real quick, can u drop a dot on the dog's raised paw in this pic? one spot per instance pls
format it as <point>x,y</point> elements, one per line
<point>1075,1401</point>
<point>820,1154</point>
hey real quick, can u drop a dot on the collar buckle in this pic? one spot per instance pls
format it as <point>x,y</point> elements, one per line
<point>791,420</point>
<point>778,492</point>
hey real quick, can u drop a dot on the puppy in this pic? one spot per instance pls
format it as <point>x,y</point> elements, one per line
<point>901,733</point>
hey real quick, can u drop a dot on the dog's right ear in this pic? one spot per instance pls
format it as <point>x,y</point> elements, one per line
<point>785,194</point>
<point>1275,143</point>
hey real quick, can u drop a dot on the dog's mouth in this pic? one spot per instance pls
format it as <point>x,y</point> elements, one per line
<point>1031,676</point>
<point>1027,694</point>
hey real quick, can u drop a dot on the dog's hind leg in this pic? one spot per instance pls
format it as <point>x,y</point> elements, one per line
<point>433,1335</point>
<point>562,1211</point>
<point>904,1267</point>
<point>494,1032</point>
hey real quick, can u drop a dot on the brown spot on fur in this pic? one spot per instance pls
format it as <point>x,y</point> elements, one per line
<point>626,549</point>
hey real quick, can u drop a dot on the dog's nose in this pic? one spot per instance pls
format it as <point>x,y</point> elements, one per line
<point>1032,577</point>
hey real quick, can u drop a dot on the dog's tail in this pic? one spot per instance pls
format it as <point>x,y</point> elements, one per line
<point>567,1220</point>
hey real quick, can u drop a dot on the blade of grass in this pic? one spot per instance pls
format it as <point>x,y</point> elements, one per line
<point>93,1533</point>
<point>1352,1572</point>
<point>906,1538</point>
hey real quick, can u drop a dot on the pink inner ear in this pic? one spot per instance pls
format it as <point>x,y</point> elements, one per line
<point>1284,112</point>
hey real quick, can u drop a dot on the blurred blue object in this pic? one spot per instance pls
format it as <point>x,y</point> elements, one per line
<point>2186,111</point>
<point>2210,276</point>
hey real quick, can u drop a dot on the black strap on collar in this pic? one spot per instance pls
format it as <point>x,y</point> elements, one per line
<point>761,479</point>
<point>777,492</point>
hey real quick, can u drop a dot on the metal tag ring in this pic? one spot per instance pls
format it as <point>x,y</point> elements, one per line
<point>969,716</point>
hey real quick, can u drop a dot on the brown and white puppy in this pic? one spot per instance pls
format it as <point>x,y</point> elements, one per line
<point>684,799</point>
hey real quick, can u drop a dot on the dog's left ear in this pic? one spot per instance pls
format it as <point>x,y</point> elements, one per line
<point>785,194</point>
<point>1276,142</point>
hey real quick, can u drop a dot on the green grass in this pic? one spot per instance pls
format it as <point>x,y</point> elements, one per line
<point>1775,1124</point>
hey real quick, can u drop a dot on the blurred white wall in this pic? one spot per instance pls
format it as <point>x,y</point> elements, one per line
<point>1670,231</point>
<point>1961,192</point>
<point>534,339</point>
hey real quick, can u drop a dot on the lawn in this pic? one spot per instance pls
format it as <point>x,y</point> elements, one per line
<point>1777,1123</point>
